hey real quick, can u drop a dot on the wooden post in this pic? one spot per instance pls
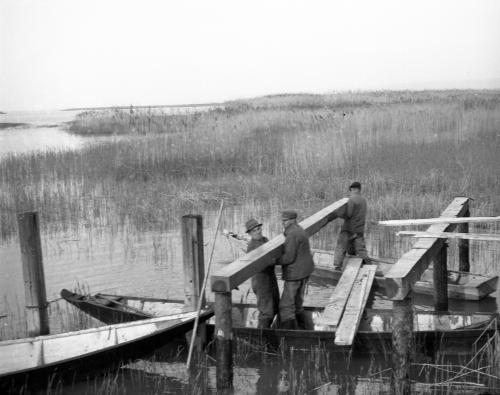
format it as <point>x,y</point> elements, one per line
<point>440,278</point>
<point>194,271</point>
<point>34,281</point>
<point>223,340</point>
<point>463,245</point>
<point>402,335</point>
<point>194,266</point>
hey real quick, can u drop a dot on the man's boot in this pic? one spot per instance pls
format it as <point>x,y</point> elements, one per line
<point>304,321</point>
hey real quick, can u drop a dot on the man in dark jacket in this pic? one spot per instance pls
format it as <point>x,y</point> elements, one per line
<point>297,266</point>
<point>264,284</point>
<point>351,238</point>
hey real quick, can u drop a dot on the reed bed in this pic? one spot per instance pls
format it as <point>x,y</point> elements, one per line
<point>413,151</point>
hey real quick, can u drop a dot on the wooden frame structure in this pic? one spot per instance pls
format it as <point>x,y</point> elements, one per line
<point>229,277</point>
<point>410,267</point>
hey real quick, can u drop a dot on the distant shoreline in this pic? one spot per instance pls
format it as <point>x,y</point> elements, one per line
<point>151,106</point>
<point>6,125</point>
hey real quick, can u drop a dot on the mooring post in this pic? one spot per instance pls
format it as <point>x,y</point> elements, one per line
<point>194,269</point>
<point>463,245</point>
<point>34,281</point>
<point>402,336</point>
<point>223,340</point>
<point>440,278</point>
<point>194,265</point>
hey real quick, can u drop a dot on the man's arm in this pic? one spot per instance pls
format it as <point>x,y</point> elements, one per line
<point>290,247</point>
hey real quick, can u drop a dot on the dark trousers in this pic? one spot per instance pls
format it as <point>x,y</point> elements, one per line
<point>292,299</point>
<point>350,243</point>
<point>265,287</point>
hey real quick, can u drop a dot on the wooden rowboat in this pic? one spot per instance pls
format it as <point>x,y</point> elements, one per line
<point>374,330</point>
<point>461,285</point>
<point>34,361</point>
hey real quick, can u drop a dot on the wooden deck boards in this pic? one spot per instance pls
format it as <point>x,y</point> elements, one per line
<point>344,336</point>
<point>330,317</point>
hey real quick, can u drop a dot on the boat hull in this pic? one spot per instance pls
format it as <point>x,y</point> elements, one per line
<point>34,362</point>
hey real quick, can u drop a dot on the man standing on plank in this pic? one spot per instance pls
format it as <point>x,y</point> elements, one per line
<point>351,239</point>
<point>264,284</point>
<point>297,263</point>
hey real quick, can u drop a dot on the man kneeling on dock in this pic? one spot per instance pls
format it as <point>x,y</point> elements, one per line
<point>297,263</point>
<point>264,284</point>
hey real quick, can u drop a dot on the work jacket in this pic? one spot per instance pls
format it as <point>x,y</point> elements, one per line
<point>297,259</point>
<point>355,215</point>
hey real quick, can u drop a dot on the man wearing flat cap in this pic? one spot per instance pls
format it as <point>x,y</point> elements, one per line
<point>297,263</point>
<point>264,284</point>
<point>351,238</point>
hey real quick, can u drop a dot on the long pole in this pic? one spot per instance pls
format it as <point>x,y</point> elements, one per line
<point>202,293</point>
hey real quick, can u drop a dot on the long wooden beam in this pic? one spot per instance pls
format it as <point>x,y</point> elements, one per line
<point>229,277</point>
<point>409,268</point>
<point>440,220</point>
<point>450,235</point>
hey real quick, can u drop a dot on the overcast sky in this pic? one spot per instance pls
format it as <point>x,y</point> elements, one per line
<point>58,54</point>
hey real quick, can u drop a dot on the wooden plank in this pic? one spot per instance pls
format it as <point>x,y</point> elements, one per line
<point>439,220</point>
<point>450,235</point>
<point>344,336</point>
<point>232,275</point>
<point>330,317</point>
<point>410,267</point>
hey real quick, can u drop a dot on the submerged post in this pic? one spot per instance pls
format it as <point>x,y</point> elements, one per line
<point>194,269</point>
<point>402,335</point>
<point>440,278</point>
<point>463,245</point>
<point>223,340</point>
<point>34,281</point>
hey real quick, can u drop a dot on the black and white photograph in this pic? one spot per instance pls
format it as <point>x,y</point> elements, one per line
<point>249,197</point>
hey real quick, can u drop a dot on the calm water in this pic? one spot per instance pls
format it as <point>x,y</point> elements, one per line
<point>96,259</point>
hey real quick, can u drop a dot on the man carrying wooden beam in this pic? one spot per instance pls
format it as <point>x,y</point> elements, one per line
<point>351,239</point>
<point>297,263</point>
<point>264,283</point>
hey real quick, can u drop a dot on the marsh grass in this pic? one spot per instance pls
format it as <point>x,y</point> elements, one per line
<point>413,151</point>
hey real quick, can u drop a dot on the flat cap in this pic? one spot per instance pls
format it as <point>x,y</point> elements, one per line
<point>355,184</point>
<point>288,214</point>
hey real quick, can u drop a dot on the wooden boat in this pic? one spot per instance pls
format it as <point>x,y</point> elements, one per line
<point>374,330</point>
<point>461,285</point>
<point>113,309</point>
<point>34,361</point>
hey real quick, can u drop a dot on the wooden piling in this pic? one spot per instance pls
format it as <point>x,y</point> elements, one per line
<point>223,340</point>
<point>440,278</point>
<point>194,271</point>
<point>402,335</point>
<point>34,281</point>
<point>463,245</point>
<point>194,265</point>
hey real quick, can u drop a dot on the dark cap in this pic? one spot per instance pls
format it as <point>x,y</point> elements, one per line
<point>355,184</point>
<point>251,224</point>
<point>288,214</point>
